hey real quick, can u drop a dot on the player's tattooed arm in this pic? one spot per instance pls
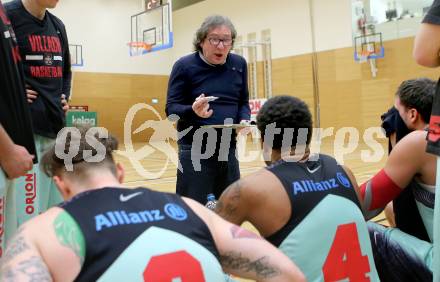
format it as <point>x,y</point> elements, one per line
<point>16,247</point>
<point>20,263</point>
<point>69,235</point>
<point>30,269</point>
<point>229,205</point>
<point>245,254</point>
<point>237,261</point>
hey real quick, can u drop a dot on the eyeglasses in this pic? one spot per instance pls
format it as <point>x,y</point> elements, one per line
<point>216,41</point>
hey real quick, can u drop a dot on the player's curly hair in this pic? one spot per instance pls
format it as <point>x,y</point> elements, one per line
<point>286,112</point>
<point>52,164</point>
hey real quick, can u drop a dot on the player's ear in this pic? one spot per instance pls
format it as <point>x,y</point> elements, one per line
<point>120,172</point>
<point>63,187</point>
<point>267,152</point>
<point>413,114</point>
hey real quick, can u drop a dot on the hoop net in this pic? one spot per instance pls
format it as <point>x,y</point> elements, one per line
<point>364,55</point>
<point>139,48</point>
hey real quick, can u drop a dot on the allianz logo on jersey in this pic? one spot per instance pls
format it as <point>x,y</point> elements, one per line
<point>308,186</point>
<point>120,217</point>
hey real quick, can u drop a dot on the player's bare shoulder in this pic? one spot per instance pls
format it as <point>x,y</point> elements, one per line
<point>260,185</point>
<point>45,219</point>
<point>413,144</point>
<point>416,137</point>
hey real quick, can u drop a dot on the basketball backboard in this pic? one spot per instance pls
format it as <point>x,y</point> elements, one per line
<point>368,46</point>
<point>151,30</point>
<point>76,55</point>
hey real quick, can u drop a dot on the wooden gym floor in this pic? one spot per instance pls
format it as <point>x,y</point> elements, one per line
<point>167,182</point>
<point>156,161</point>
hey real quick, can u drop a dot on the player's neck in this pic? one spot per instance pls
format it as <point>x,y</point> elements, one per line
<point>294,155</point>
<point>34,9</point>
<point>98,181</point>
<point>421,125</point>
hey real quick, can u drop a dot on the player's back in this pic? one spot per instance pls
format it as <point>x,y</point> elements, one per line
<point>326,235</point>
<point>142,235</point>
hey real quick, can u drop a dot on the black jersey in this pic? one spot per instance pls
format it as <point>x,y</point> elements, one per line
<point>326,235</point>
<point>433,17</point>
<point>114,220</point>
<point>307,184</point>
<point>45,51</point>
<point>14,111</point>
<point>434,125</point>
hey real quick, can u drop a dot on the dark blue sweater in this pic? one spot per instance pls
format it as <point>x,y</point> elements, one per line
<point>191,76</point>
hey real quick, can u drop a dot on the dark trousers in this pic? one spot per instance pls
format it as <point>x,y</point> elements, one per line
<point>214,176</point>
<point>399,256</point>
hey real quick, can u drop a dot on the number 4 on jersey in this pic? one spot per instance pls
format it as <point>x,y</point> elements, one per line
<point>345,259</point>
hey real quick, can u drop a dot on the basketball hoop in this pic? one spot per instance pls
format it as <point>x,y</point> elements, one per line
<point>152,30</point>
<point>369,56</point>
<point>369,47</point>
<point>364,56</point>
<point>139,48</point>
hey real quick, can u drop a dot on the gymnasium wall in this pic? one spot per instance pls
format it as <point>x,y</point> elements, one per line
<point>109,72</point>
<point>349,96</point>
<point>112,95</point>
<point>289,23</point>
<point>103,28</point>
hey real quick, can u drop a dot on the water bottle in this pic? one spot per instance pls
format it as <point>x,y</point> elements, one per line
<point>211,202</point>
